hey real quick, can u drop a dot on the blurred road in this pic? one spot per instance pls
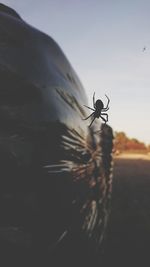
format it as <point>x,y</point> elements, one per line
<point>128,237</point>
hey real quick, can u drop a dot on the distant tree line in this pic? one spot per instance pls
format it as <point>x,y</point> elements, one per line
<point>123,143</point>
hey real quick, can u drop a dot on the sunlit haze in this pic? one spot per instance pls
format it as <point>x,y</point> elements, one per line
<point>104,41</point>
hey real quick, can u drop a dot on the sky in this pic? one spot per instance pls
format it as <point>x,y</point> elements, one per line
<point>104,41</point>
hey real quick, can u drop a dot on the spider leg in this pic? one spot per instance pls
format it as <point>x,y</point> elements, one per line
<point>105,114</point>
<point>89,107</point>
<point>105,109</point>
<point>94,100</point>
<point>105,120</point>
<point>107,102</point>
<point>88,116</point>
<point>92,121</point>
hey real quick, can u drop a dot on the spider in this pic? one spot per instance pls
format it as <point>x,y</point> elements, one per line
<point>98,109</point>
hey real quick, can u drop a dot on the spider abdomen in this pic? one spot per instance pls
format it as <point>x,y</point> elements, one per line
<point>99,104</point>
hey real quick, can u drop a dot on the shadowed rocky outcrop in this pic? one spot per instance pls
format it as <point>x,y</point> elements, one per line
<point>55,172</point>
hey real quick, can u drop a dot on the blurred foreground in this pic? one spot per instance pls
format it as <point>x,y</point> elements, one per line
<point>128,235</point>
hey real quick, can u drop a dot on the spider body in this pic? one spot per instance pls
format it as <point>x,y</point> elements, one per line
<point>99,109</point>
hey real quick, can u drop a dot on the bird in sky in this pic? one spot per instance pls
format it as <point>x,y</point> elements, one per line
<point>144,48</point>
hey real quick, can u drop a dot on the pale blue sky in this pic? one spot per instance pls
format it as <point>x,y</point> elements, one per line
<point>103,40</point>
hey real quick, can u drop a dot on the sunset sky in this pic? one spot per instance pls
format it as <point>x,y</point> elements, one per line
<point>104,41</point>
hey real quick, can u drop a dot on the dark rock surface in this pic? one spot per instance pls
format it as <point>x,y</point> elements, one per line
<point>55,172</point>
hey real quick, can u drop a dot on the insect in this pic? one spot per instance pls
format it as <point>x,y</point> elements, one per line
<point>98,110</point>
<point>144,48</point>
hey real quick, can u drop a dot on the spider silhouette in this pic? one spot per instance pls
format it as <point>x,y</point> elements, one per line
<point>98,110</point>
